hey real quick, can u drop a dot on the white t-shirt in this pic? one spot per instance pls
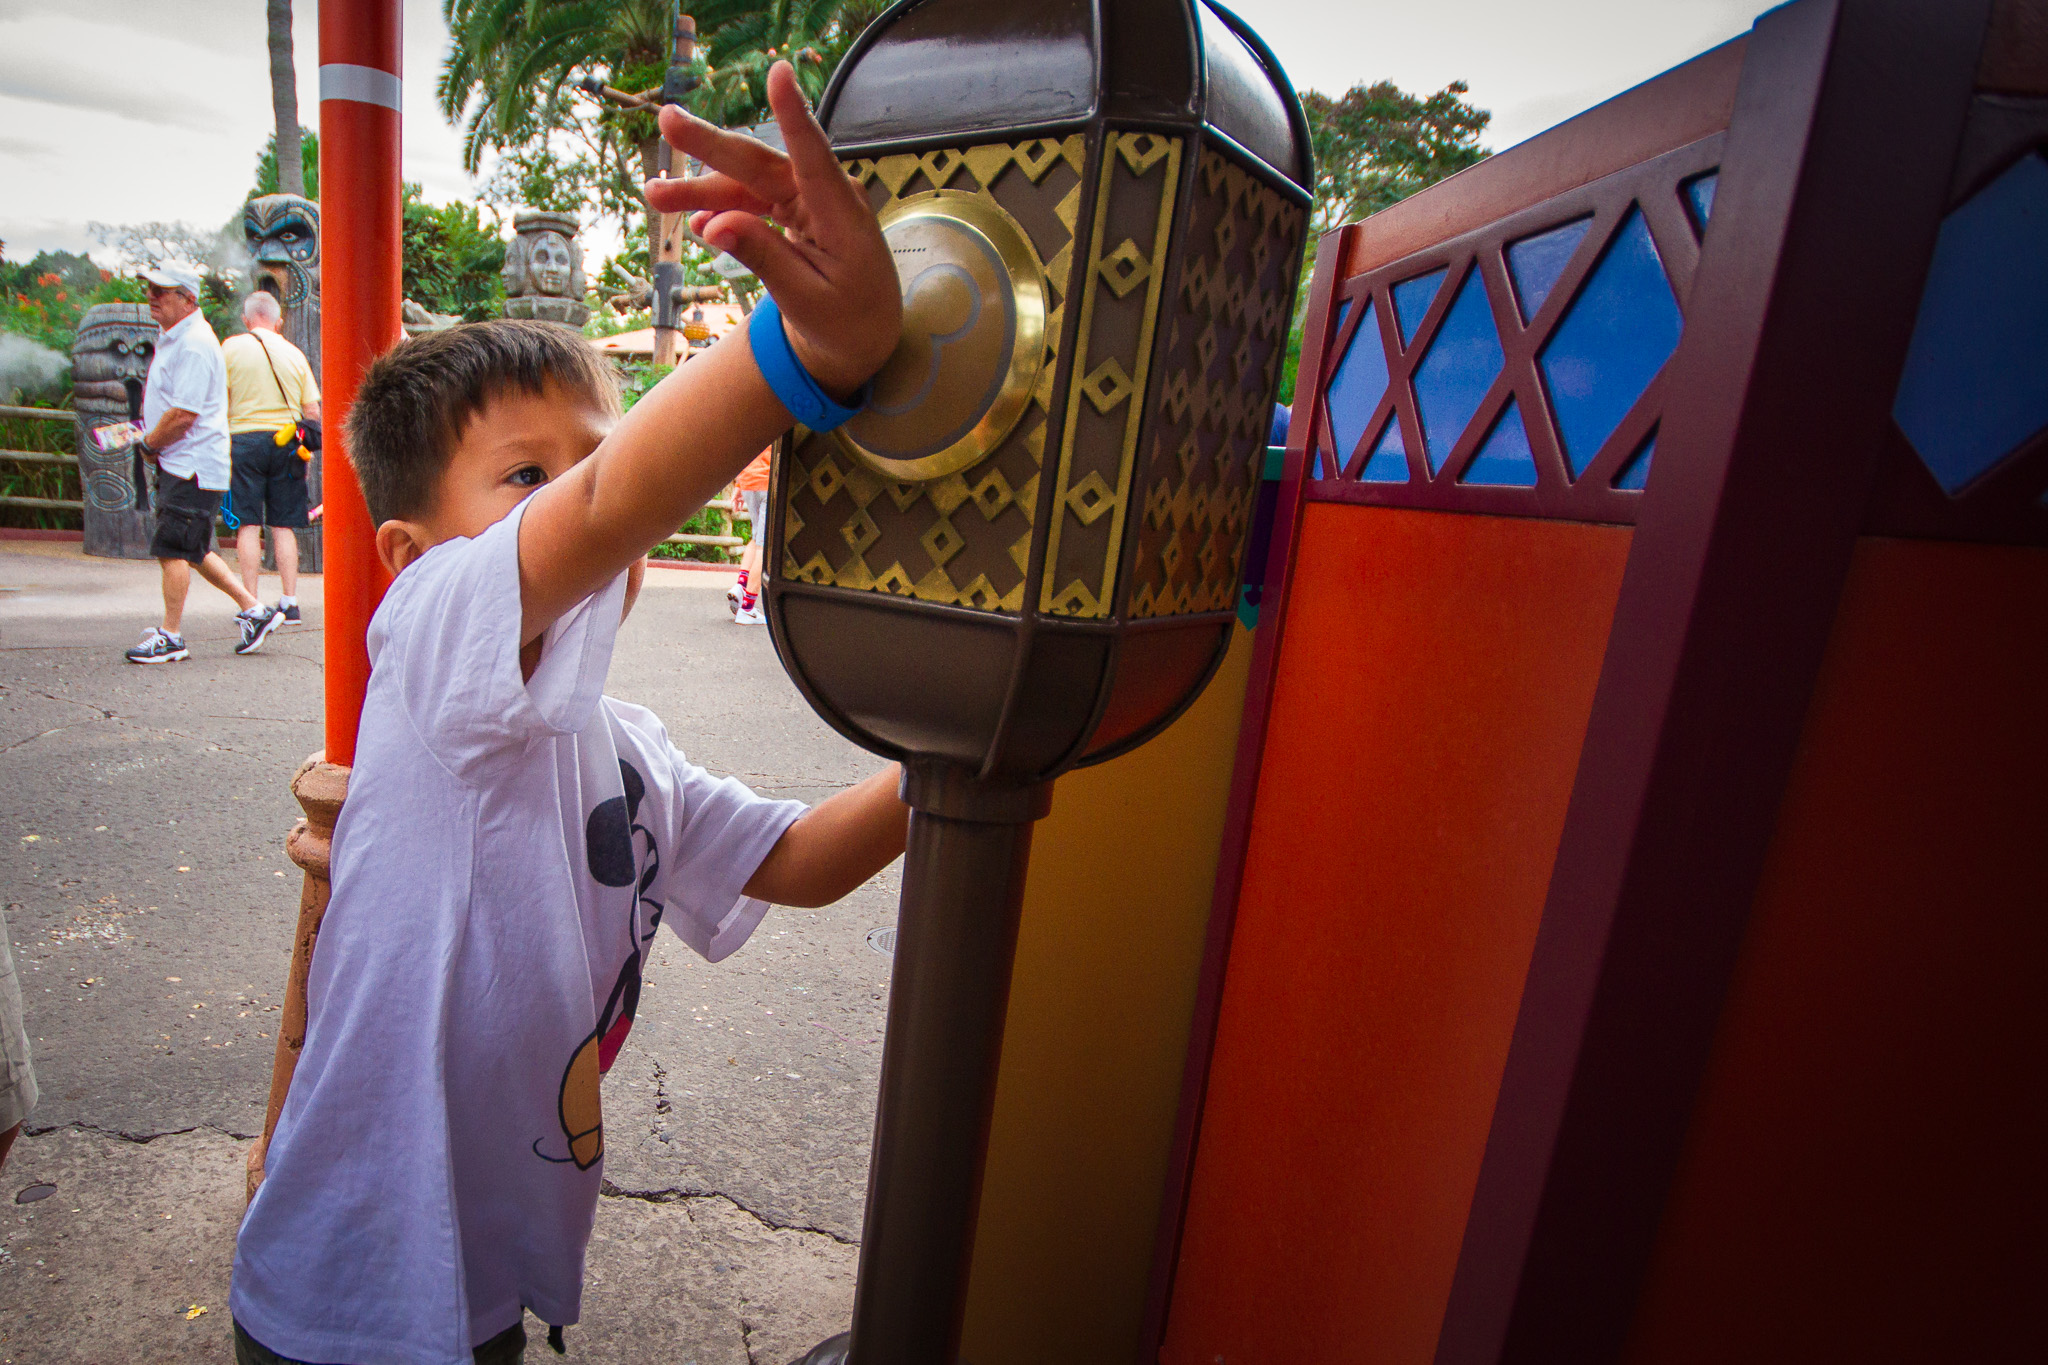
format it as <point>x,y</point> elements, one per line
<point>187,372</point>
<point>504,857</point>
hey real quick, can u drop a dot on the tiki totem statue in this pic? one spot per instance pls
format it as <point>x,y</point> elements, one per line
<point>544,269</point>
<point>283,232</point>
<point>109,362</point>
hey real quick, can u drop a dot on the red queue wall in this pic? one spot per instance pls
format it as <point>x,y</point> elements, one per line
<point>1822,1067</point>
<point>1430,698</point>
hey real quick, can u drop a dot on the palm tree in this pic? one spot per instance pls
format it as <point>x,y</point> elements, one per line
<point>743,38</point>
<point>284,98</point>
<point>512,64</point>
<point>511,61</point>
<point>521,72</point>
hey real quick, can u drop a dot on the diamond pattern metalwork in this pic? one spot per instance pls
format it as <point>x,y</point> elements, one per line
<point>1134,203</point>
<point>1107,385</point>
<point>955,540</point>
<point>1125,268</point>
<point>1090,498</point>
<point>942,542</point>
<point>1227,333</point>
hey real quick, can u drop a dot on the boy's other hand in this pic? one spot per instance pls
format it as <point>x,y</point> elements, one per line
<point>829,269</point>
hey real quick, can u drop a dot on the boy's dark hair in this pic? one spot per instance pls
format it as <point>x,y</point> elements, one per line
<point>418,397</point>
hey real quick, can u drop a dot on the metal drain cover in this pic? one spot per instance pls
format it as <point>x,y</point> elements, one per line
<point>883,941</point>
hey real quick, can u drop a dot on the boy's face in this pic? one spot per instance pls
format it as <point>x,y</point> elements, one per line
<point>518,442</point>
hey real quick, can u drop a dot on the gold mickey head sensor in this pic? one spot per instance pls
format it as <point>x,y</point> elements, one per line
<point>973,339</point>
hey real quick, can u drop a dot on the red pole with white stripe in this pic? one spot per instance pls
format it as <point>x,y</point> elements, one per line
<point>360,42</point>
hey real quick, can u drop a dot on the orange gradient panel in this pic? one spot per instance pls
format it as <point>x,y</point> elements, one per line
<point>1429,706</point>
<point>1864,1177</point>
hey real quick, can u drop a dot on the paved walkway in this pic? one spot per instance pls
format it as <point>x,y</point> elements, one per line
<point>151,908</point>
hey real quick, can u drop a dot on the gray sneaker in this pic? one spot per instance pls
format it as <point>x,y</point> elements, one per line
<point>257,623</point>
<point>157,647</point>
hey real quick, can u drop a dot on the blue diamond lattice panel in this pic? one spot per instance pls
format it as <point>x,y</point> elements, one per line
<point>1518,369</point>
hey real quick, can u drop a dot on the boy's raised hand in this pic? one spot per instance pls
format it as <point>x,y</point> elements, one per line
<point>829,269</point>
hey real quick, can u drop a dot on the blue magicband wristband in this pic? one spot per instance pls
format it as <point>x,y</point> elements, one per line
<point>807,403</point>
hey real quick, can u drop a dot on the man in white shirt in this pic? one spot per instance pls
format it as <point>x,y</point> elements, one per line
<point>185,430</point>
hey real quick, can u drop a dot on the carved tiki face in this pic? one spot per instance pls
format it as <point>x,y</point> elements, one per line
<point>283,233</point>
<point>550,266</point>
<point>545,258</point>
<point>115,343</point>
<point>114,346</point>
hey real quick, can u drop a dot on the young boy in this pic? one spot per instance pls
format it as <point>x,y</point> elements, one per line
<point>512,838</point>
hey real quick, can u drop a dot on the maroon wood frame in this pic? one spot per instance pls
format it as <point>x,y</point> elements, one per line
<point>1684,105</point>
<point>1833,185</point>
<point>1835,179</point>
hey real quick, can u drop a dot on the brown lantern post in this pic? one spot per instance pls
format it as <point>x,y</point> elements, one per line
<point>1024,556</point>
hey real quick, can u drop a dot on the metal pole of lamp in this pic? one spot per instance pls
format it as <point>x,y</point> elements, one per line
<point>963,894</point>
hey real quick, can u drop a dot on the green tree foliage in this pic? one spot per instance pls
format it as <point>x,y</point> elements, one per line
<point>1375,145</point>
<point>43,298</point>
<point>742,40</point>
<point>219,256</point>
<point>309,159</point>
<point>452,257</point>
<point>565,91</point>
<point>525,78</point>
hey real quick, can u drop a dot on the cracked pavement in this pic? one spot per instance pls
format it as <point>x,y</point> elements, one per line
<point>151,908</point>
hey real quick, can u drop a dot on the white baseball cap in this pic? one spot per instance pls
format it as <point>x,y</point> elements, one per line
<point>174,277</point>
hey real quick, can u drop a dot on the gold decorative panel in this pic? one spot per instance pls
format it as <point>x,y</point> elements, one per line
<point>962,539</point>
<point>1226,332</point>
<point>1120,303</point>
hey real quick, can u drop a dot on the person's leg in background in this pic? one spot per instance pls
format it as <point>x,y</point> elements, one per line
<point>249,555</point>
<point>245,495</point>
<point>215,570</point>
<point>184,537</point>
<point>285,511</point>
<point>177,585</point>
<point>284,542</point>
<point>752,572</point>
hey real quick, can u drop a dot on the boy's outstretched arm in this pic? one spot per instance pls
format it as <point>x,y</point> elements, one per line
<point>836,845</point>
<point>829,272</point>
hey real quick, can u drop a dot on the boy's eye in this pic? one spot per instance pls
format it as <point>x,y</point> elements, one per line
<point>529,476</point>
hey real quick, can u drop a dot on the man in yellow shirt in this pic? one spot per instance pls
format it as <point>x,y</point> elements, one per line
<point>270,390</point>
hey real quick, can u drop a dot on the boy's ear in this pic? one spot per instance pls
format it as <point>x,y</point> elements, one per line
<point>399,543</point>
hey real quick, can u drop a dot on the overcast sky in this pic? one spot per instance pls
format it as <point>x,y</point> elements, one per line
<point>138,110</point>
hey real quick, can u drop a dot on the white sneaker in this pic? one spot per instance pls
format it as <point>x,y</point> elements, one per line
<point>157,647</point>
<point>750,616</point>
<point>257,624</point>
<point>732,600</point>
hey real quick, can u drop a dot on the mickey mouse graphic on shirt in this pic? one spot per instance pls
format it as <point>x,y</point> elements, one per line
<point>621,852</point>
